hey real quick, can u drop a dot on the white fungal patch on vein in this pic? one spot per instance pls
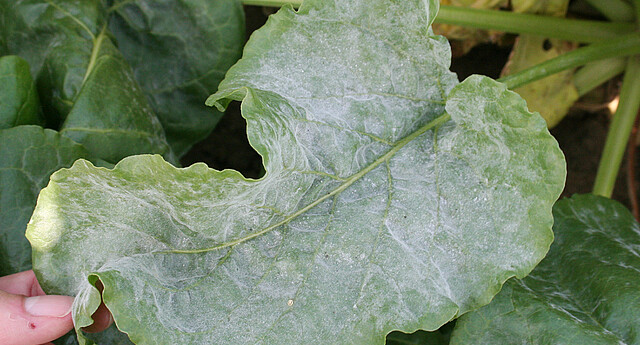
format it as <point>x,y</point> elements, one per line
<point>348,182</point>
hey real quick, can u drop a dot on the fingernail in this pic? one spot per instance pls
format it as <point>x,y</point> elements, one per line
<point>53,306</point>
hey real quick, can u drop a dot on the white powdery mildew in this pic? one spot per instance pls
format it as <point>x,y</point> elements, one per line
<point>336,77</point>
<point>370,218</point>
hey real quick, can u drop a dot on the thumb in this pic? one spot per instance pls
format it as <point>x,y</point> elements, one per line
<point>33,320</point>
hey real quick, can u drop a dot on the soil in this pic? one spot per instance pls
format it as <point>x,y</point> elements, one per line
<point>581,135</point>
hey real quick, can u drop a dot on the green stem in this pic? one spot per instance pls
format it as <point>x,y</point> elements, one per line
<point>596,73</point>
<point>615,10</point>
<point>586,31</point>
<point>620,130</point>
<point>622,46</point>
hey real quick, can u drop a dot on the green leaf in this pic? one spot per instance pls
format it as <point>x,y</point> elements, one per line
<point>110,336</point>
<point>417,338</point>
<point>19,103</point>
<point>110,115</point>
<point>87,90</point>
<point>179,51</point>
<point>67,339</point>
<point>28,156</point>
<point>376,213</point>
<point>584,292</point>
<point>437,337</point>
<point>57,38</point>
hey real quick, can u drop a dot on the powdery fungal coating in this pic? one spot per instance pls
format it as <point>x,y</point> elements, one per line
<point>376,212</point>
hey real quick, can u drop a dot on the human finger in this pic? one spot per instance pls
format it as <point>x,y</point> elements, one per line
<point>23,283</point>
<point>33,320</point>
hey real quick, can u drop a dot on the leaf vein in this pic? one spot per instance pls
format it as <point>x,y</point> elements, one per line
<point>74,18</point>
<point>366,276</point>
<point>309,271</point>
<point>352,179</point>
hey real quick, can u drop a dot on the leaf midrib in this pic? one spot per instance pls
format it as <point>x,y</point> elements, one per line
<point>441,119</point>
<point>95,51</point>
<point>97,40</point>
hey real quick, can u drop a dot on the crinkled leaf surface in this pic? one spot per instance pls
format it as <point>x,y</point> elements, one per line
<point>584,292</point>
<point>394,197</point>
<point>28,156</point>
<point>179,51</point>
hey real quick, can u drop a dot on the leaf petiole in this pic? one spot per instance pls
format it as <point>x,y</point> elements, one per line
<point>596,73</point>
<point>619,130</point>
<point>622,46</point>
<point>586,31</point>
<point>614,10</point>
